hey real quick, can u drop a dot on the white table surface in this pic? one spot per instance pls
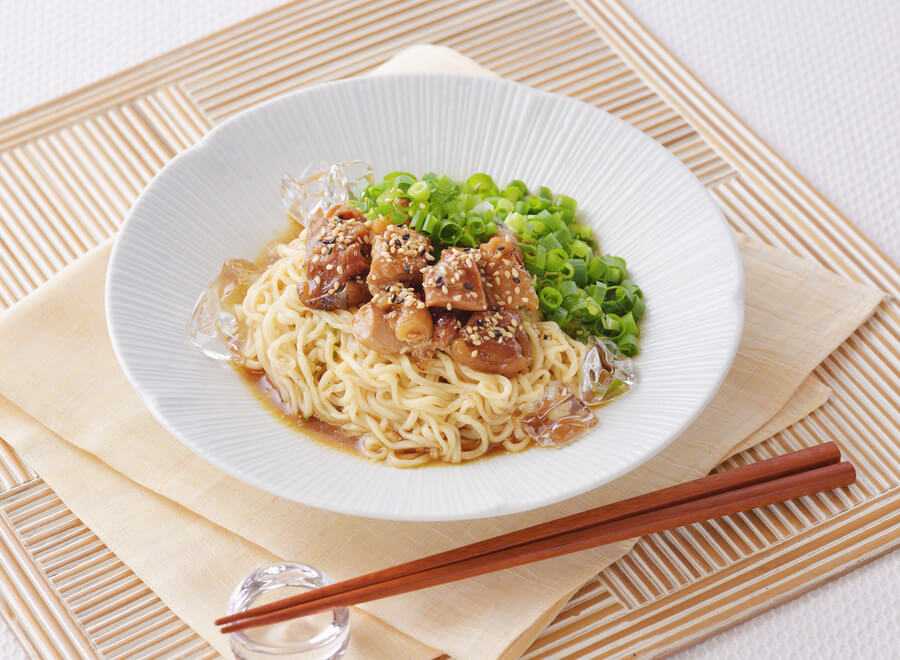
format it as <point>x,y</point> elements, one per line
<point>819,80</point>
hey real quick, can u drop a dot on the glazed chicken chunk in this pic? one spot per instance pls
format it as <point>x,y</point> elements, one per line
<point>454,282</point>
<point>493,342</point>
<point>447,324</point>
<point>337,253</point>
<point>506,282</point>
<point>371,329</point>
<point>398,255</point>
<point>406,313</point>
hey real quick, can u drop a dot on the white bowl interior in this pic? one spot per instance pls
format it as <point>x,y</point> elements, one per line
<point>221,199</point>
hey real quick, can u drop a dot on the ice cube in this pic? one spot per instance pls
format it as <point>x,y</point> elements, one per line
<point>302,196</point>
<point>557,418</point>
<point>213,327</point>
<point>320,187</point>
<point>606,374</point>
<point>356,171</point>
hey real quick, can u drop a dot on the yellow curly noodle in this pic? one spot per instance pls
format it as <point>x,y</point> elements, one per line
<point>405,413</point>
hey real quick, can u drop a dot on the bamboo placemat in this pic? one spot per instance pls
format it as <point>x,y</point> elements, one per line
<point>70,169</point>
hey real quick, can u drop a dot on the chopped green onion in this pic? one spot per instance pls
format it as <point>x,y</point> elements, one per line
<point>628,345</point>
<point>569,290</point>
<point>583,232</point>
<point>564,236</point>
<point>537,204</point>
<point>612,324</point>
<point>554,222</point>
<point>597,291</point>
<point>544,193</point>
<point>504,206</point>
<point>404,181</point>
<point>566,202</point>
<point>449,233</point>
<point>512,194</point>
<point>516,222</point>
<point>579,271</point>
<point>430,224</point>
<point>516,183</point>
<point>580,249</point>
<point>560,315</point>
<point>466,240</point>
<point>556,257</point>
<point>391,176</point>
<point>550,298</point>
<point>618,300</point>
<point>637,311</point>
<point>481,183</point>
<point>629,326</point>
<point>539,261</point>
<point>596,269</point>
<point>550,242</point>
<point>419,191</point>
<point>536,227</point>
<point>475,225</point>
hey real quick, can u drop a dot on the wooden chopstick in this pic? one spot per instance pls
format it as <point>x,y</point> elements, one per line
<point>713,506</point>
<point>589,527</point>
<point>779,466</point>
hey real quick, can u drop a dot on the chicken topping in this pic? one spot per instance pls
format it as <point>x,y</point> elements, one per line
<point>454,282</point>
<point>493,342</point>
<point>398,255</point>
<point>446,326</point>
<point>372,330</point>
<point>405,312</point>
<point>415,307</point>
<point>337,249</point>
<point>507,283</point>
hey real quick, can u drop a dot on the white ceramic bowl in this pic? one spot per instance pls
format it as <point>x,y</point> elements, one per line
<point>221,199</point>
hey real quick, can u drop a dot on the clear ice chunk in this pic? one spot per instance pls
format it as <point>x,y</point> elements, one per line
<point>320,187</point>
<point>606,374</point>
<point>557,418</point>
<point>213,328</point>
<point>355,171</point>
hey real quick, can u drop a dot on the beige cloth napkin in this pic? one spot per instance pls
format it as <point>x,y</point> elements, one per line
<point>58,368</point>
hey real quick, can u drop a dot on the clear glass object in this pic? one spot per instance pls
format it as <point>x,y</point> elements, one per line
<point>213,327</point>
<point>557,418</point>
<point>320,636</point>
<point>321,186</point>
<point>606,374</point>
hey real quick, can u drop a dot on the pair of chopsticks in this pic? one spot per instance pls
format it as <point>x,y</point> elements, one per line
<point>774,480</point>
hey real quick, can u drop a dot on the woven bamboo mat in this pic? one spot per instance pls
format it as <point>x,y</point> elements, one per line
<point>70,169</point>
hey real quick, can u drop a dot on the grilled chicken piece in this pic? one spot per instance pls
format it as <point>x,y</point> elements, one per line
<point>399,254</point>
<point>506,282</point>
<point>446,324</point>
<point>337,249</point>
<point>357,292</point>
<point>454,282</point>
<point>405,312</point>
<point>493,342</point>
<point>373,331</point>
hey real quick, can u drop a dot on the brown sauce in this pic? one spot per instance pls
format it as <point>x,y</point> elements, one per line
<point>289,233</point>
<point>317,429</point>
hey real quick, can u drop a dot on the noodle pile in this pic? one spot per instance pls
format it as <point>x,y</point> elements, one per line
<point>405,412</point>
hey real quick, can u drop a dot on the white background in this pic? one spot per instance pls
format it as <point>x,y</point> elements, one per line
<point>818,80</point>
